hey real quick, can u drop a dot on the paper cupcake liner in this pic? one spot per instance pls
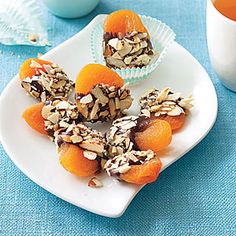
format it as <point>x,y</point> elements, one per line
<point>22,22</point>
<point>161,37</point>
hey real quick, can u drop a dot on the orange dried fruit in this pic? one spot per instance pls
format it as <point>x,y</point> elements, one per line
<point>123,21</point>
<point>143,174</point>
<point>93,74</point>
<point>73,160</point>
<point>33,117</point>
<point>176,122</point>
<point>156,136</point>
<point>27,71</point>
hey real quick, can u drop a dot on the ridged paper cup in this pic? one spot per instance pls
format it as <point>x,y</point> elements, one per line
<point>22,22</point>
<point>161,38</point>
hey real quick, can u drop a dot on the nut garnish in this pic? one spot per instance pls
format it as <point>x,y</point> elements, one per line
<point>95,183</point>
<point>131,50</point>
<point>104,103</point>
<point>59,113</point>
<point>164,102</point>
<point>92,141</point>
<point>50,81</point>
<point>119,138</point>
<point>90,155</point>
<point>122,163</point>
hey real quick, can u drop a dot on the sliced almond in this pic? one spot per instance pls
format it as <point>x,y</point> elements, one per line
<point>112,107</point>
<point>45,83</point>
<point>157,113</point>
<point>136,39</point>
<point>94,110</point>
<point>142,35</point>
<point>117,103</point>
<point>66,138</point>
<point>82,109</point>
<point>76,139</point>
<point>124,95</point>
<point>48,68</point>
<point>115,62</point>
<point>35,64</point>
<point>86,99</point>
<point>116,55</point>
<point>128,60</point>
<point>62,105</point>
<point>46,111</point>
<point>125,50</point>
<point>54,118</point>
<point>90,155</point>
<point>146,112</point>
<point>103,163</point>
<point>155,108</point>
<point>123,169</point>
<point>119,45</point>
<point>98,148</point>
<point>163,95</point>
<point>166,109</point>
<point>143,59</point>
<point>133,157</point>
<point>125,103</point>
<point>143,44</point>
<point>175,112</point>
<point>95,183</point>
<point>63,124</point>
<point>129,125</point>
<point>98,93</point>
<point>113,42</point>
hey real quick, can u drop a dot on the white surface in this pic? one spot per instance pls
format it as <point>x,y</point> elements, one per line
<point>221,37</point>
<point>36,156</point>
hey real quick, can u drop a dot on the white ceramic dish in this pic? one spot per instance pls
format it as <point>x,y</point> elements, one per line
<point>36,156</point>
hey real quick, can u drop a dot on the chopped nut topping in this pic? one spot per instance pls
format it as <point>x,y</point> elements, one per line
<point>59,114</point>
<point>104,103</point>
<point>92,141</point>
<point>90,155</point>
<point>53,83</point>
<point>164,102</point>
<point>132,50</point>
<point>118,139</point>
<point>122,163</point>
<point>95,183</point>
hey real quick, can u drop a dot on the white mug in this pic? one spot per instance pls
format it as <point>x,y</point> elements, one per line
<point>221,38</point>
<point>71,8</point>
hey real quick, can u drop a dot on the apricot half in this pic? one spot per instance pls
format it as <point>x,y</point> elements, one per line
<point>33,117</point>
<point>176,122</point>
<point>73,160</point>
<point>143,174</point>
<point>155,137</point>
<point>93,74</point>
<point>123,21</point>
<point>27,71</point>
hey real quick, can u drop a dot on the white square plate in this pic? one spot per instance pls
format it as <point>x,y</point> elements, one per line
<point>36,156</point>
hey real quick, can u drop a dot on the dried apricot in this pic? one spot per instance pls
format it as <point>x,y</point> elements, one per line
<point>143,174</point>
<point>176,122</point>
<point>33,117</point>
<point>27,71</point>
<point>156,136</point>
<point>123,21</point>
<point>73,160</point>
<point>93,74</point>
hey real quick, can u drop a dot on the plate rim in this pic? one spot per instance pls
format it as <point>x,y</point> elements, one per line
<point>119,212</point>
